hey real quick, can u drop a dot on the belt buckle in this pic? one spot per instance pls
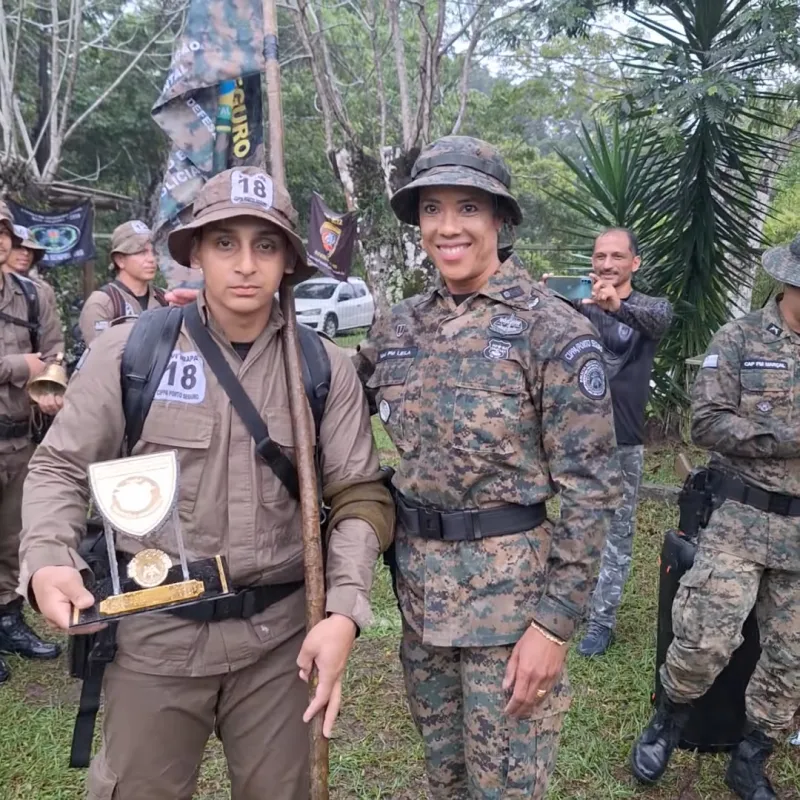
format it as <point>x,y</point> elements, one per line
<point>779,504</point>
<point>430,523</point>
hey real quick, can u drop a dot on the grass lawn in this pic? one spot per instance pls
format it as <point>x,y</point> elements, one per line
<point>376,752</point>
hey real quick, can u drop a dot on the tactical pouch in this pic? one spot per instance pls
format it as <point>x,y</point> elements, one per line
<point>695,503</point>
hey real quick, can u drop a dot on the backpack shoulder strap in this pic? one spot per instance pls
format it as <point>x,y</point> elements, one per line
<point>31,293</point>
<point>144,360</point>
<point>159,295</point>
<point>117,300</point>
<point>316,372</point>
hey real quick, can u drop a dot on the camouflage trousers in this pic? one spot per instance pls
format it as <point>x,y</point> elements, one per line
<point>473,751</point>
<point>616,562</point>
<point>712,603</point>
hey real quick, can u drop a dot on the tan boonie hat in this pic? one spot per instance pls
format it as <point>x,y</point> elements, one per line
<point>241,192</point>
<point>8,218</point>
<point>783,263</point>
<point>131,237</point>
<point>28,242</point>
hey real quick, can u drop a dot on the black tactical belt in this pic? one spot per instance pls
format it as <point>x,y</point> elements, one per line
<point>14,429</point>
<point>785,505</point>
<point>469,524</point>
<point>242,605</point>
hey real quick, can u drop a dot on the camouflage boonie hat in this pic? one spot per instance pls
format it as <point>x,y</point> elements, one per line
<point>783,263</point>
<point>28,242</point>
<point>130,237</point>
<point>242,192</point>
<point>7,218</point>
<point>456,161</point>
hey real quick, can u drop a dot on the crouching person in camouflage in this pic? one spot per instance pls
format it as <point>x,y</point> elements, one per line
<point>494,392</point>
<point>745,410</point>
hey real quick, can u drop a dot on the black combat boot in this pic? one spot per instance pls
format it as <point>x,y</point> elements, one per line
<point>5,672</point>
<point>16,637</point>
<point>745,776</point>
<point>654,747</point>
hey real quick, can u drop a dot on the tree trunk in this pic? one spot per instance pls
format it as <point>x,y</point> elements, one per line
<point>741,301</point>
<point>392,255</point>
<point>43,151</point>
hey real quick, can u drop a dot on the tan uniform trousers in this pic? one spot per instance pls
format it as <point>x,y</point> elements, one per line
<point>13,469</point>
<point>155,730</point>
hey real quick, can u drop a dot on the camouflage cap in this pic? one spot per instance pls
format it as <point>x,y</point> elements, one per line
<point>27,241</point>
<point>242,192</point>
<point>131,237</point>
<point>457,161</point>
<point>7,218</point>
<point>783,263</point>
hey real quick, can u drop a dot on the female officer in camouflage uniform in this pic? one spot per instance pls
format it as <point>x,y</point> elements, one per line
<point>495,394</point>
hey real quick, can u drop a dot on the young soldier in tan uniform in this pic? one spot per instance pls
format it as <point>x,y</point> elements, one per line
<point>18,364</point>
<point>174,681</point>
<point>131,291</point>
<point>23,260</point>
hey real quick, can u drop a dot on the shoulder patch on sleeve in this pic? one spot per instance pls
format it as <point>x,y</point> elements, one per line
<point>582,345</point>
<point>711,362</point>
<point>592,379</point>
<point>101,325</point>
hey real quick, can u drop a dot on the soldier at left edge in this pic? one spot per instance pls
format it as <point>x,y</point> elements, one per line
<point>26,345</point>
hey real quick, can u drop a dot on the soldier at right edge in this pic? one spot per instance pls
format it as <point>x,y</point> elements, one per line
<point>746,410</point>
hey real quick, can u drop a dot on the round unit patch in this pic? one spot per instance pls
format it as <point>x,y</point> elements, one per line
<point>508,325</point>
<point>592,379</point>
<point>764,406</point>
<point>384,411</point>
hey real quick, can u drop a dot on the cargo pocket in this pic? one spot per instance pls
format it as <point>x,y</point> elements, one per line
<point>189,434</point>
<point>531,758</point>
<point>488,403</point>
<point>767,393</point>
<point>688,617</point>
<point>101,781</point>
<point>390,383</point>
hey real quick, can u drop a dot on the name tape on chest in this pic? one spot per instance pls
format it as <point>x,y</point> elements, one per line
<point>512,293</point>
<point>254,190</point>
<point>184,380</point>
<point>396,352</point>
<point>508,325</point>
<point>758,363</point>
<point>580,347</point>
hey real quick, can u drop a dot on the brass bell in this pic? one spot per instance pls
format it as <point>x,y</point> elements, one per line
<point>52,381</point>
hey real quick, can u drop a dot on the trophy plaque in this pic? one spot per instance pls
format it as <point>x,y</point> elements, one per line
<point>137,499</point>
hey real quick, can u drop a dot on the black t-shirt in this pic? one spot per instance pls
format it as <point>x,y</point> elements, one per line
<point>143,299</point>
<point>630,350</point>
<point>242,348</point>
<point>458,299</point>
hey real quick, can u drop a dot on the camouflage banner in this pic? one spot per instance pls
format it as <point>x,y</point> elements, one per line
<point>331,238</point>
<point>210,108</point>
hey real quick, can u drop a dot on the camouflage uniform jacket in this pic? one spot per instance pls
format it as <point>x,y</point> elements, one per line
<point>746,401</point>
<point>502,399</point>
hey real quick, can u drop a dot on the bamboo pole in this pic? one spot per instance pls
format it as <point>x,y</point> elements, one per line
<point>301,420</point>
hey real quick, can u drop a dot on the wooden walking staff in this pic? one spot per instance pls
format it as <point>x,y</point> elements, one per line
<point>301,421</point>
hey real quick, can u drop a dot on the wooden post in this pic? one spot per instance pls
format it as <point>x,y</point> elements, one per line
<point>88,279</point>
<point>301,420</point>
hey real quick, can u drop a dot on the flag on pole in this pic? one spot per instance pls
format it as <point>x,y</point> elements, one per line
<point>331,237</point>
<point>210,108</point>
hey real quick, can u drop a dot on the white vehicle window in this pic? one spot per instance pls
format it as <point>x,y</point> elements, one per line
<point>314,291</point>
<point>360,290</point>
<point>346,293</point>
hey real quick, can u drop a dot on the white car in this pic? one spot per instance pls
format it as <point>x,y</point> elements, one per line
<point>333,306</point>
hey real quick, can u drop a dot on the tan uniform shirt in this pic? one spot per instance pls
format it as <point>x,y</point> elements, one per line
<point>15,342</point>
<point>230,502</point>
<point>98,310</point>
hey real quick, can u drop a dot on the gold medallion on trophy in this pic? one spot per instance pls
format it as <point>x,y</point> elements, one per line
<point>149,568</point>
